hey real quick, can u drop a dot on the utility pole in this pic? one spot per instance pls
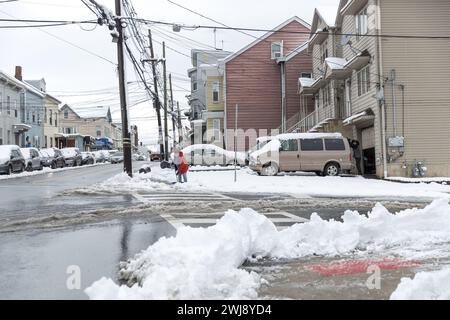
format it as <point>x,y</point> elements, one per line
<point>126,141</point>
<point>171,107</point>
<point>166,133</point>
<point>156,102</point>
<point>180,129</point>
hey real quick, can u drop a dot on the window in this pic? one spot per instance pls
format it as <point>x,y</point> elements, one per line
<point>51,142</point>
<point>98,131</point>
<point>216,129</point>
<point>311,144</point>
<point>289,145</point>
<point>324,51</point>
<point>215,92</point>
<point>276,49</point>
<point>194,86</point>
<point>363,80</point>
<point>34,118</point>
<point>306,75</point>
<point>66,114</point>
<point>334,144</point>
<point>326,95</point>
<point>46,145</point>
<point>361,23</point>
<point>8,105</point>
<point>51,117</point>
<point>16,112</point>
<point>45,115</point>
<point>8,137</point>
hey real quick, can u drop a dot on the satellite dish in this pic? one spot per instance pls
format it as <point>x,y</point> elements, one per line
<point>346,39</point>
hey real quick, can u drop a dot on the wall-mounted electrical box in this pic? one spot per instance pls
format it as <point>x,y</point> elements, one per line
<point>398,142</point>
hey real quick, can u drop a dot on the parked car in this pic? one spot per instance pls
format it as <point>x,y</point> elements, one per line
<point>260,142</point>
<point>323,153</point>
<point>32,159</point>
<point>55,157</point>
<point>117,157</point>
<point>87,158</point>
<point>138,157</point>
<point>72,156</point>
<point>45,159</point>
<point>210,155</point>
<point>11,159</point>
<point>106,154</point>
<point>98,156</point>
<point>155,156</point>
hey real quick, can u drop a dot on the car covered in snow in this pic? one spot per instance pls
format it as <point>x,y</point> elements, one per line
<point>32,158</point>
<point>11,159</point>
<point>211,155</point>
<point>72,157</point>
<point>87,158</point>
<point>326,154</point>
<point>99,157</point>
<point>138,157</point>
<point>54,158</point>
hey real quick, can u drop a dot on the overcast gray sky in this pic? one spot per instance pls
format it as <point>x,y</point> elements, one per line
<point>77,77</point>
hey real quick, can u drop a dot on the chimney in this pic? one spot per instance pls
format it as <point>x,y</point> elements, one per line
<point>18,73</point>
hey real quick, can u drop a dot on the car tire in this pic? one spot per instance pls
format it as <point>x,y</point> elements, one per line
<point>53,165</point>
<point>10,170</point>
<point>270,169</point>
<point>22,168</point>
<point>29,167</point>
<point>332,169</point>
<point>318,173</point>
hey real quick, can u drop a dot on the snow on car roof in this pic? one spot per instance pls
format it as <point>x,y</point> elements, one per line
<point>307,135</point>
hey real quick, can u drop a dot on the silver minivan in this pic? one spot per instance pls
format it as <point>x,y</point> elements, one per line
<point>323,153</point>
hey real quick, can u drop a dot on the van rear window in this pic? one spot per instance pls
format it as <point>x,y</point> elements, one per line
<point>334,144</point>
<point>311,144</point>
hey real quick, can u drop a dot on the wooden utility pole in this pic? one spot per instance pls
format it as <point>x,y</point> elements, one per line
<point>156,102</point>
<point>172,108</point>
<point>166,132</point>
<point>180,128</point>
<point>126,140</point>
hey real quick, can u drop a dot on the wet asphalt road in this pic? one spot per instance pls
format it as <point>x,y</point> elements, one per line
<point>35,260</point>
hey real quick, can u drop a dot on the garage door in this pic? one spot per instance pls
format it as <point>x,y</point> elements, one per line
<point>368,138</point>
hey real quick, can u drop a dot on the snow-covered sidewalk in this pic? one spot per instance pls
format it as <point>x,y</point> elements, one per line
<point>298,185</point>
<point>45,170</point>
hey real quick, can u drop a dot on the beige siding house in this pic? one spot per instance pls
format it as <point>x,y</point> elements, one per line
<point>50,122</point>
<point>391,83</point>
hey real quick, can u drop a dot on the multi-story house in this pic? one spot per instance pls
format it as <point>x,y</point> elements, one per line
<point>69,134</point>
<point>393,71</point>
<point>21,110</point>
<point>201,61</point>
<point>261,80</point>
<point>12,128</point>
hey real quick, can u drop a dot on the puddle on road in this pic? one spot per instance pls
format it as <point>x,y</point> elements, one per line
<point>34,263</point>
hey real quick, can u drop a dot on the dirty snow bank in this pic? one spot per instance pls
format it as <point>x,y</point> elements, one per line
<point>203,263</point>
<point>432,285</point>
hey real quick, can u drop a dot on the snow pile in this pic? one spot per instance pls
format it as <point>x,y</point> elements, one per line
<point>201,263</point>
<point>197,264</point>
<point>433,285</point>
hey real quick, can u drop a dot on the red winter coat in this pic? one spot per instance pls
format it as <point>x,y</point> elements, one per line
<point>183,166</point>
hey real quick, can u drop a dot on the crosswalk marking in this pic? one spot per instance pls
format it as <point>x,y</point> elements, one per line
<point>174,196</point>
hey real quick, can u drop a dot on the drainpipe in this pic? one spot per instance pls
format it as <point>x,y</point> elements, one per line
<point>283,96</point>
<point>394,103</point>
<point>381,80</point>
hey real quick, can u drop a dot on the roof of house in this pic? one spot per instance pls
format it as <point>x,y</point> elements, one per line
<point>94,112</point>
<point>22,84</point>
<point>266,35</point>
<point>296,51</point>
<point>66,106</point>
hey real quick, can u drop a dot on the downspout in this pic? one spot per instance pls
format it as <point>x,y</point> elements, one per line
<point>283,96</point>
<point>225,130</point>
<point>381,80</point>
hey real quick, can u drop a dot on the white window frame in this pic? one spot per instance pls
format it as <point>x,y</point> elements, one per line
<point>216,130</point>
<point>276,54</point>
<point>363,80</point>
<point>66,114</point>
<point>215,88</point>
<point>361,23</point>
<point>194,85</point>
<point>324,51</point>
<point>8,105</point>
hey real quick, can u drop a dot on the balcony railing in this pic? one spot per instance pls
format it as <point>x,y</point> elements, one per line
<point>305,124</point>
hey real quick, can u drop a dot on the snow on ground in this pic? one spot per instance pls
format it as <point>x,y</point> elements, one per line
<point>203,263</point>
<point>300,184</point>
<point>432,285</point>
<point>45,170</point>
<point>443,180</point>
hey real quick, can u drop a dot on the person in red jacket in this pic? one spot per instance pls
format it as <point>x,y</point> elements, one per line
<point>182,168</point>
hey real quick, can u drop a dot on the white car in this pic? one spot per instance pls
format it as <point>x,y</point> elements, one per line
<point>211,155</point>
